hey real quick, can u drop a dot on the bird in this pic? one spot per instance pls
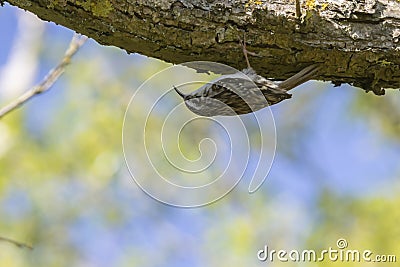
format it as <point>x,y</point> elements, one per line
<point>242,92</point>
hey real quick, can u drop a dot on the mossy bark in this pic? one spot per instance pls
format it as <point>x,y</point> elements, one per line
<point>357,41</point>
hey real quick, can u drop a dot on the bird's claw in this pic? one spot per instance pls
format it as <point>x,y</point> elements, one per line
<point>247,52</point>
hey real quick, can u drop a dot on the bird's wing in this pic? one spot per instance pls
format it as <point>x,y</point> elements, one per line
<point>227,86</point>
<point>239,93</point>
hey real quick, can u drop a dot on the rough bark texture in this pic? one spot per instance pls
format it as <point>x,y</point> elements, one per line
<point>357,41</point>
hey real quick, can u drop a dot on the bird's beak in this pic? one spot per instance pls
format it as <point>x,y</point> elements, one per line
<point>179,93</point>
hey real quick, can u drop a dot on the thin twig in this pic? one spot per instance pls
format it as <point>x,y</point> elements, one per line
<point>18,244</point>
<point>76,42</point>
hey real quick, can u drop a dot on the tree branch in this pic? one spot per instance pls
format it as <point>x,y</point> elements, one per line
<point>358,41</point>
<point>76,42</point>
<point>18,244</point>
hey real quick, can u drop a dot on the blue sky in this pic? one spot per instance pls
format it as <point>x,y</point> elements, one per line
<point>331,149</point>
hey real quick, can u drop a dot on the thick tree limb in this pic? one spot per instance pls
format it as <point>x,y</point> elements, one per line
<point>357,40</point>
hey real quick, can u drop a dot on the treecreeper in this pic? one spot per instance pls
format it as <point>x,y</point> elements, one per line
<point>242,92</point>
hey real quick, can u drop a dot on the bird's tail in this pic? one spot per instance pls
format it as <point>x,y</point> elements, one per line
<point>300,77</point>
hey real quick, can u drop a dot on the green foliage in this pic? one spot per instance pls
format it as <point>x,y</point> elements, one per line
<point>381,113</point>
<point>64,187</point>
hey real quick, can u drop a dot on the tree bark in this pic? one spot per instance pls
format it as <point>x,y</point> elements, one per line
<point>357,41</point>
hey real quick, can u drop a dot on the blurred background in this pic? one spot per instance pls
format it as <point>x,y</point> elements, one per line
<point>65,188</point>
